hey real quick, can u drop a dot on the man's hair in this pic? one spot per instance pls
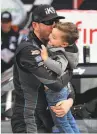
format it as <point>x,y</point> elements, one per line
<point>71,33</point>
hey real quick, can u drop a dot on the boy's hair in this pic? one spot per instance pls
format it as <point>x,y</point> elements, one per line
<point>71,33</point>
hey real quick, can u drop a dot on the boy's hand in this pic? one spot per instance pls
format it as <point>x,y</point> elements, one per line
<point>44,53</point>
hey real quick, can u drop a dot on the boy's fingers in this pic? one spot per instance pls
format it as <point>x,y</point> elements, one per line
<point>43,47</point>
<point>55,107</point>
<point>60,115</point>
<point>59,103</point>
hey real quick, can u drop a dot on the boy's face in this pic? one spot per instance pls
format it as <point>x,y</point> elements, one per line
<point>55,38</point>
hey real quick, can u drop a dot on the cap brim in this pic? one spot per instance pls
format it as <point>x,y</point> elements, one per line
<point>60,17</point>
<point>53,17</point>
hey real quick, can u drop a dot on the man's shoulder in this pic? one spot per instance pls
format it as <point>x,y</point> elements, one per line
<point>26,44</point>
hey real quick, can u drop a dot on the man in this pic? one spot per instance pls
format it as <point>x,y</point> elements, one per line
<point>9,39</point>
<point>30,108</point>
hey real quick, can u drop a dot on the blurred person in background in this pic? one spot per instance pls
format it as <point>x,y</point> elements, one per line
<point>9,41</point>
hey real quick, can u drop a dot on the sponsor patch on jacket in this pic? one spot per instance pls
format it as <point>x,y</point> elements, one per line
<point>40,64</point>
<point>38,58</point>
<point>25,38</point>
<point>35,52</point>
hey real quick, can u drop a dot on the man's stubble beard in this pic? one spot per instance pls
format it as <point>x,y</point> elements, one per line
<point>44,37</point>
<point>45,41</point>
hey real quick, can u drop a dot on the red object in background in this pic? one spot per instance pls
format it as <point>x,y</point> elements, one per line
<point>15,28</point>
<point>77,3</point>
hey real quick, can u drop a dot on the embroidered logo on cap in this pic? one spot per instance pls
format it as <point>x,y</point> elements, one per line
<point>50,10</point>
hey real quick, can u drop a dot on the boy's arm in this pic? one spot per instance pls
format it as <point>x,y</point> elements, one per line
<point>58,65</point>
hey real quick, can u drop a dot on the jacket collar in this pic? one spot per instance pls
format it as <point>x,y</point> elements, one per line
<point>32,37</point>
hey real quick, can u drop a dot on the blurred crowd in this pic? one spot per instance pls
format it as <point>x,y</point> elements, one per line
<point>9,41</point>
<point>11,36</point>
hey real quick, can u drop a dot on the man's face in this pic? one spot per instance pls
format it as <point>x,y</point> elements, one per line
<point>6,26</point>
<point>44,29</point>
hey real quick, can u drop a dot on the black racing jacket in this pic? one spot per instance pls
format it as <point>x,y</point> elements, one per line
<point>29,73</point>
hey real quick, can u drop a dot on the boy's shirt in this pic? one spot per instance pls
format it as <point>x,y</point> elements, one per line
<point>62,59</point>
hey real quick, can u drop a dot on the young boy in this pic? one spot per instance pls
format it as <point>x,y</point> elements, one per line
<point>63,56</point>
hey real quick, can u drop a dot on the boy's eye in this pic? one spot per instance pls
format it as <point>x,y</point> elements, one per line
<point>53,37</point>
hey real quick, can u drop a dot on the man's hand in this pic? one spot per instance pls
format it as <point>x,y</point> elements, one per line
<point>44,53</point>
<point>62,107</point>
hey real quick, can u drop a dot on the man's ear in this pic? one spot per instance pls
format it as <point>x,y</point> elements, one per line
<point>65,44</point>
<point>35,25</point>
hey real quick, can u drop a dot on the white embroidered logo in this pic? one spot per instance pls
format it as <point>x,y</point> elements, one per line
<point>35,52</point>
<point>50,10</point>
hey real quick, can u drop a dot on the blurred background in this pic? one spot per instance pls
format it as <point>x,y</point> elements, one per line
<point>16,24</point>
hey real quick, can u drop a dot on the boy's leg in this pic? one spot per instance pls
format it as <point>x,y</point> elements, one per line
<point>72,122</point>
<point>62,124</point>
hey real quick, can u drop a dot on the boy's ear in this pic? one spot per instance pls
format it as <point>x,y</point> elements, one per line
<point>65,44</point>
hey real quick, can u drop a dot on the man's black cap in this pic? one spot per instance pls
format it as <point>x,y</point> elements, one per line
<point>44,13</point>
<point>6,16</point>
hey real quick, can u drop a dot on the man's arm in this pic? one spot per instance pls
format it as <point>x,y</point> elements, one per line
<point>64,106</point>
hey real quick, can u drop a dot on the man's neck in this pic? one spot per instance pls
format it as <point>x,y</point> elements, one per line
<point>41,39</point>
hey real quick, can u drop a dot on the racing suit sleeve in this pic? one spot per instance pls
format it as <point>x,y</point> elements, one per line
<point>31,60</point>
